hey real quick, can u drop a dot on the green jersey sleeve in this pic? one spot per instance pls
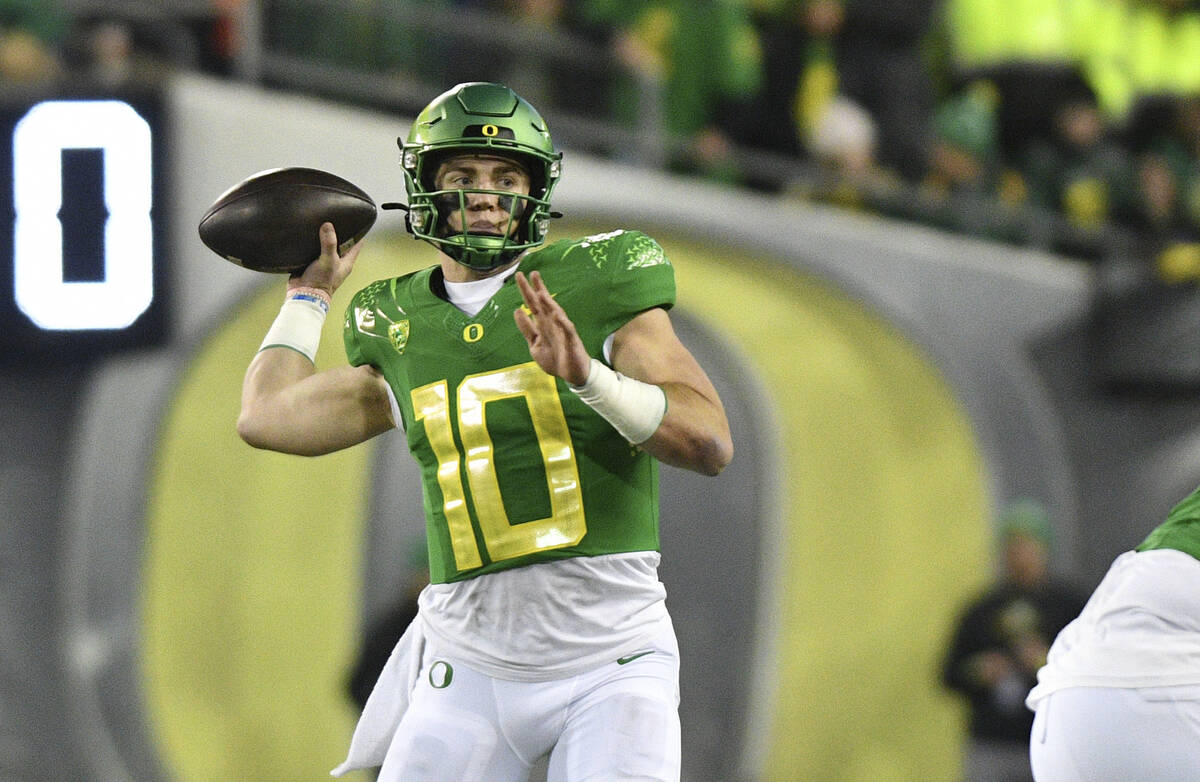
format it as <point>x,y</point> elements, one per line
<point>367,325</point>
<point>607,280</point>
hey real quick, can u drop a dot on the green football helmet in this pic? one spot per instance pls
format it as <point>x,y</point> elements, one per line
<point>480,118</point>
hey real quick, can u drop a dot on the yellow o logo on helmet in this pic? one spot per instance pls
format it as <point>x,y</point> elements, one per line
<point>490,130</point>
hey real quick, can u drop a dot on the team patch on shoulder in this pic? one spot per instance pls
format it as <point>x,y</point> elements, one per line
<point>398,334</point>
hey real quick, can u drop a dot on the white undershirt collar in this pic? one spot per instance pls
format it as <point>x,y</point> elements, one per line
<point>472,295</point>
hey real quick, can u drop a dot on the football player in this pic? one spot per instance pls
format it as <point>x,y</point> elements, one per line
<point>538,386</point>
<point>1119,696</point>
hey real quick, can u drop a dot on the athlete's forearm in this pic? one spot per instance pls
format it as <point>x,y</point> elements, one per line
<point>694,433</point>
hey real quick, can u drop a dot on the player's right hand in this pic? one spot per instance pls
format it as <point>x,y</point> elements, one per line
<point>330,269</point>
<point>553,341</point>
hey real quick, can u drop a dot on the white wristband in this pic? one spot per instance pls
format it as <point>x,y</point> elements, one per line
<point>297,326</point>
<point>635,409</point>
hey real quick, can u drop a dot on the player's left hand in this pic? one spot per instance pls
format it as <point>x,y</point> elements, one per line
<point>553,341</point>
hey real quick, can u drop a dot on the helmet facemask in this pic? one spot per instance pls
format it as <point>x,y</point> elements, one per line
<point>490,120</point>
<point>431,212</point>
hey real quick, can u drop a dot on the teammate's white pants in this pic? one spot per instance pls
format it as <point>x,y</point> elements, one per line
<point>1109,734</point>
<point>617,722</point>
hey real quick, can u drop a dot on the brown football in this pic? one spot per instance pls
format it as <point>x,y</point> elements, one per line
<point>269,222</point>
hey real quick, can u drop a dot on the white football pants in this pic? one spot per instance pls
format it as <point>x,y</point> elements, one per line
<point>1109,734</point>
<point>619,722</point>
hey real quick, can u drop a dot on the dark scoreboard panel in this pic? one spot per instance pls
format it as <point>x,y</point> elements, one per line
<point>82,201</point>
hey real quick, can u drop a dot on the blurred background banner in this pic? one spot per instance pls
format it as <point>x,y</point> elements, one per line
<point>901,357</point>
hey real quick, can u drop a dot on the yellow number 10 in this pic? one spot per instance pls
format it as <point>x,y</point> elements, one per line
<point>564,527</point>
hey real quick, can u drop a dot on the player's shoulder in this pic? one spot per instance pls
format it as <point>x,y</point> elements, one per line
<point>621,248</point>
<point>376,309</point>
<point>390,289</point>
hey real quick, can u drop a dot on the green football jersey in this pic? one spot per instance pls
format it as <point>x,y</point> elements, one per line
<point>1181,530</point>
<point>515,468</point>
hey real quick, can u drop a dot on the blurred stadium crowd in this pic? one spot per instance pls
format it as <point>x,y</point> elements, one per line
<point>1072,125</point>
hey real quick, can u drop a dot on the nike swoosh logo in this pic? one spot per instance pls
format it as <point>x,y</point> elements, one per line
<point>632,657</point>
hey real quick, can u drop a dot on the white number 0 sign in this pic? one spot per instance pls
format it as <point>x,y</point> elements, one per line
<point>127,289</point>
